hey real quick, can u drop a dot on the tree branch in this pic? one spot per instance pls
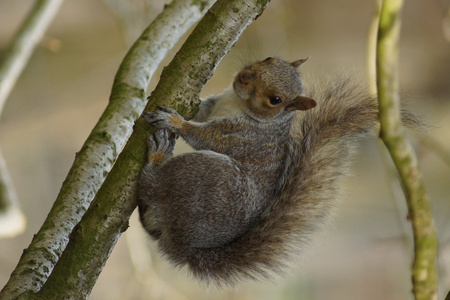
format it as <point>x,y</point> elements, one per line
<point>437,148</point>
<point>12,220</point>
<point>101,148</point>
<point>424,271</point>
<point>371,48</point>
<point>94,237</point>
<point>23,44</point>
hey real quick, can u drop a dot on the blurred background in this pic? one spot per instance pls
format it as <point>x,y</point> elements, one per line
<point>364,252</point>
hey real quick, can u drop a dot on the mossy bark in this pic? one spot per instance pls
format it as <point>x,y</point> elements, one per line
<point>424,270</point>
<point>97,156</point>
<point>94,237</point>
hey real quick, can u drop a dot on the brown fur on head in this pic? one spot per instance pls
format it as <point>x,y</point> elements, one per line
<point>270,87</point>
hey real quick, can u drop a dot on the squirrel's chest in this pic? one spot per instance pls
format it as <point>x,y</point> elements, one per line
<point>227,106</point>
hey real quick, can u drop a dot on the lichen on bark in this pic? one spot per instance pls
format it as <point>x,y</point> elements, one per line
<point>94,161</point>
<point>181,81</point>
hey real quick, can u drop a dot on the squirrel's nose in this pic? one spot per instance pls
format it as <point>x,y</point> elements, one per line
<point>246,76</point>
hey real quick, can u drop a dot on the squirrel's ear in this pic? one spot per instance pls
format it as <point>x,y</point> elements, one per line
<point>301,103</point>
<point>299,62</point>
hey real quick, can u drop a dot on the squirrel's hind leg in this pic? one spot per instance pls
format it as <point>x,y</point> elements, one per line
<point>160,146</point>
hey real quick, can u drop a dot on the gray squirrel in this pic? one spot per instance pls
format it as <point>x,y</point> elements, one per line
<point>263,176</point>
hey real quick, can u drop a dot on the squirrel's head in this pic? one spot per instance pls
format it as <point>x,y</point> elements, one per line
<point>272,87</point>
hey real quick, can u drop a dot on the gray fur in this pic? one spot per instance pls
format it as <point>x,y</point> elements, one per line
<point>260,182</point>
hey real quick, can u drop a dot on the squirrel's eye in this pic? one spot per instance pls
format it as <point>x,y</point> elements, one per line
<point>275,100</point>
<point>269,58</point>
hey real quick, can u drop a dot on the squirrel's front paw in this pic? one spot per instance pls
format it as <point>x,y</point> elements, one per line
<point>165,118</point>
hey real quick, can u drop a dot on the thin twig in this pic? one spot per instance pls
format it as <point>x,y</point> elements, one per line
<point>24,43</point>
<point>12,220</point>
<point>371,48</point>
<point>436,147</point>
<point>424,271</point>
<point>12,65</point>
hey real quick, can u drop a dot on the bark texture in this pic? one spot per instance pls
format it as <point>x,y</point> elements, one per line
<point>94,237</point>
<point>424,271</point>
<point>98,154</point>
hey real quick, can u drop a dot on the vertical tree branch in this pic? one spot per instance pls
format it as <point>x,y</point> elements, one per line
<point>424,271</point>
<point>371,48</point>
<point>94,237</point>
<point>98,154</point>
<point>12,220</point>
<point>23,44</point>
<point>16,57</point>
<point>437,148</point>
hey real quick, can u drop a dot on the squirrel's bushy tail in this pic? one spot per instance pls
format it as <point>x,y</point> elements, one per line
<point>324,140</point>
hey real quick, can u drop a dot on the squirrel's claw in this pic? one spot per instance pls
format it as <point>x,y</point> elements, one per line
<point>164,141</point>
<point>164,118</point>
<point>158,119</point>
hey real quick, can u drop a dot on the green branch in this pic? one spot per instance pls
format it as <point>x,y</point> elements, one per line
<point>94,237</point>
<point>98,154</point>
<point>424,272</point>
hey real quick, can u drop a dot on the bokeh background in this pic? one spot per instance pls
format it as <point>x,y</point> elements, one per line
<point>364,252</point>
